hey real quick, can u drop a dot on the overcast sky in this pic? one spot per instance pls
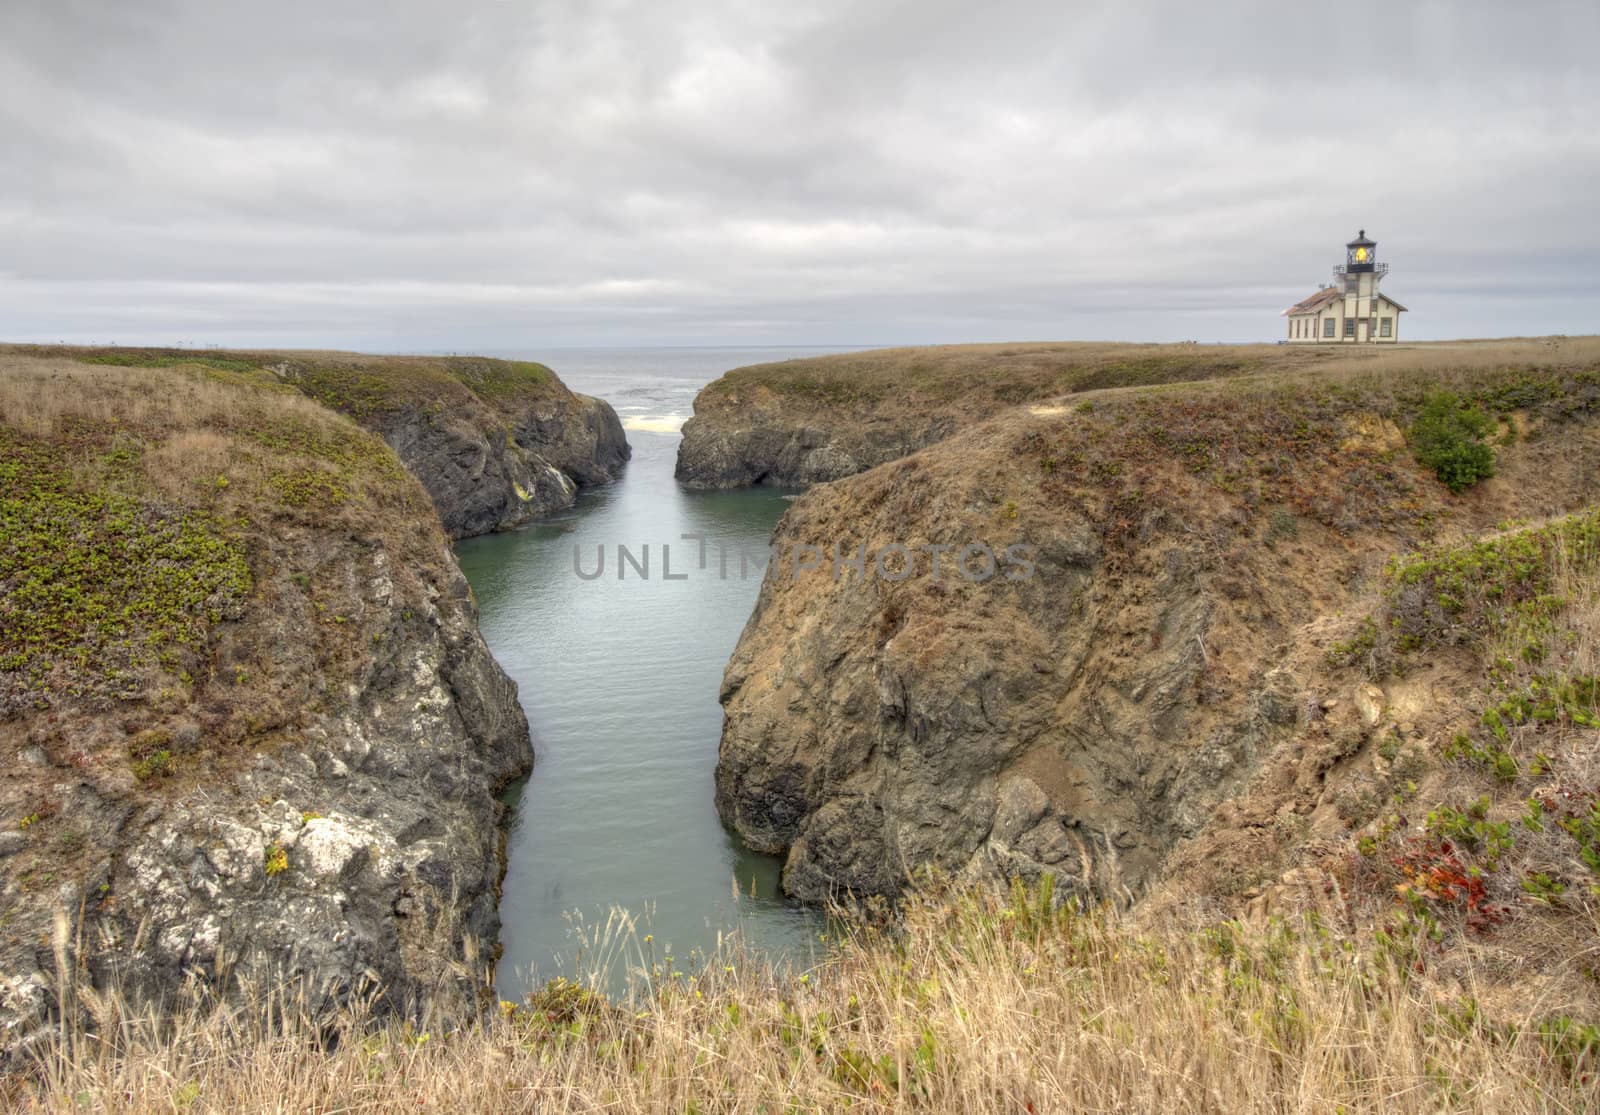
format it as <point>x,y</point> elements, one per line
<point>467,174</point>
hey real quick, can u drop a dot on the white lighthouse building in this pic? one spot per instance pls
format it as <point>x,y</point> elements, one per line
<point>1350,310</point>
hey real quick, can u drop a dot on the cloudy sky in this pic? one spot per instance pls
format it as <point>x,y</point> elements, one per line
<point>472,174</point>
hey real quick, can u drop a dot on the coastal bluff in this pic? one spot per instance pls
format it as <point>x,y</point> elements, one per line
<point>496,443</point>
<point>1198,549</point>
<point>808,421</point>
<point>255,738</point>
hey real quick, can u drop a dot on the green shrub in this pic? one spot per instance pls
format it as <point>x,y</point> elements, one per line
<point>159,764</point>
<point>1448,438</point>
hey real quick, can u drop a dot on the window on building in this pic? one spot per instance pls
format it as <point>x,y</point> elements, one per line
<point>1327,327</point>
<point>1352,284</point>
<point>1349,328</point>
<point>1386,327</point>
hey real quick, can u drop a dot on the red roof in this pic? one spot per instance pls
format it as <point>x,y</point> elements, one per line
<point>1329,294</point>
<point>1315,302</point>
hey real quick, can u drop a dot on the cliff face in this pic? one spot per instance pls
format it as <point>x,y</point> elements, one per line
<point>496,443</point>
<point>803,422</point>
<point>486,473</point>
<point>739,439</point>
<point>255,734</point>
<point>1082,711</point>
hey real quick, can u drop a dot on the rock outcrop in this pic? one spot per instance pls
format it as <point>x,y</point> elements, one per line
<point>484,476</point>
<point>254,732</point>
<point>1082,709</point>
<point>496,443</point>
<point>809,421</point>
<point>737,440</point>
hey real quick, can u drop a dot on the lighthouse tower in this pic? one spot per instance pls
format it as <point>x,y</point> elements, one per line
<point>1350,310</point>
<point>1360,276</point>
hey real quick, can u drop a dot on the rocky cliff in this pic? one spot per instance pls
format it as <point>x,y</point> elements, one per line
<point>496,443</point>
<point>1082,704</point>
<point>253,733</point>
<point>803,422</point>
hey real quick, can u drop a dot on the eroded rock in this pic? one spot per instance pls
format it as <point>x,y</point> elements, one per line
<point>1086,719</point>
<point>485,475</point>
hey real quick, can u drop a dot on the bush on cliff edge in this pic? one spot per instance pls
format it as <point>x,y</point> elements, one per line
<point>1448,438</point>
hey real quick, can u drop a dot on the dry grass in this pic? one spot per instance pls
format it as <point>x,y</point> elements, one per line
<point>984,377</point>
<point>175,408</point>
<point>187,426</point>
<point>116,472</point>
<point>366,387</point>
<point>976,1003</point>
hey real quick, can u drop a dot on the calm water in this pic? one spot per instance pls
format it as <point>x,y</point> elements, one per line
<point>619,679</point>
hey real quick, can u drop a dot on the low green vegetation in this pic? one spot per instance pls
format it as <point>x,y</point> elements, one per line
<point>94,584</point>
<point>1512,821</point>
<point>370,389</point>
<point>1448,437</point>
<point>503,381</point>
<point>1508,586</point>
<point>1358,648</point>
<point>1280,450</point>
<point>309,487</point>
<point>135,506</point>
<point>340,449</point>
<point>170,358</point>
<point>150,755</point>
<point>373,388</point>
<point>1323,448</point>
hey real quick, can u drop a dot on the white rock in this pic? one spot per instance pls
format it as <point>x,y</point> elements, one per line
<point>241,853</point>
<point>1370,703</point>
<point>328,846</point>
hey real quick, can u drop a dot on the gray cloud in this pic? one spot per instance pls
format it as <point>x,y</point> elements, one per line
<point>424,174</point>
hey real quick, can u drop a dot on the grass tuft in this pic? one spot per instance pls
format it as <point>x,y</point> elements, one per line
<point>972,1001</point>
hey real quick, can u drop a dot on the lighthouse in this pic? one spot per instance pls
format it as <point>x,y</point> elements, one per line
<point>1350,310</point>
